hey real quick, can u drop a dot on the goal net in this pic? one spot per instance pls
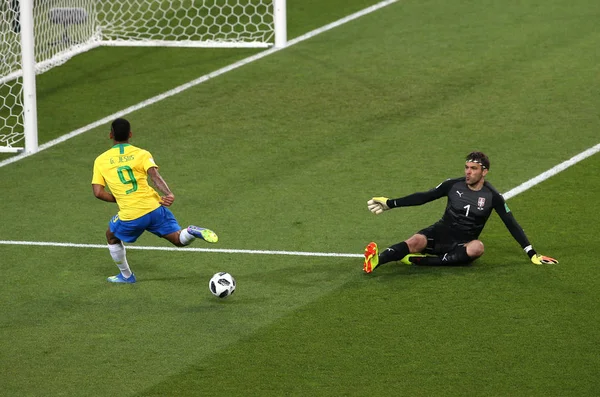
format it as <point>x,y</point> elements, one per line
<point>65,28</point>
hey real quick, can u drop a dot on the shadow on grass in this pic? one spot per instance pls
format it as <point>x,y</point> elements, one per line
<point>396,269</point>
<point>303,275</point>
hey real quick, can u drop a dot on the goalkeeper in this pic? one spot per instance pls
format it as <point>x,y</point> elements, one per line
<point>453,240</point>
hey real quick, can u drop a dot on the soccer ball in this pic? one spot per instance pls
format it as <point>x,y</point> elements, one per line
<point>222,284</point>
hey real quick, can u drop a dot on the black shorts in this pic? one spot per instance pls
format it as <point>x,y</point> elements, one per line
<point>442,239</point>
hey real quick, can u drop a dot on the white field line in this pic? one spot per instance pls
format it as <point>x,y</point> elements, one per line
<point>186,249</point>
<point>551,172</point>
<point>511,193</point>
<point>199,80</point>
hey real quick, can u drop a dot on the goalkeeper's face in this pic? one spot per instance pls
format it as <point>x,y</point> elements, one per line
<point>475,174</point>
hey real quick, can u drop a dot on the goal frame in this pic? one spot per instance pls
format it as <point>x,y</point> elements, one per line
<point>29,68</point>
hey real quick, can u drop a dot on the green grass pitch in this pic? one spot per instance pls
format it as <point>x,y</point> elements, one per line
<point>282,154</point>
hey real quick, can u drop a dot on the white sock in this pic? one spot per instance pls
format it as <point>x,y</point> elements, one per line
<point>117,251</point>
<point>185,238</point>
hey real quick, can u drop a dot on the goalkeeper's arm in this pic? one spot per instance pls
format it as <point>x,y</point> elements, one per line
<point>377,205</point>
<point>518,234</point>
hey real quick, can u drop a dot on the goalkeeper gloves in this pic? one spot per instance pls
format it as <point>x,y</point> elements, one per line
<point>378,204</point>
<point>538,259</point>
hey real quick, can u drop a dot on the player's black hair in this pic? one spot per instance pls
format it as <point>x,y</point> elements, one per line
<point>120,129</point>
<point>480,158</point>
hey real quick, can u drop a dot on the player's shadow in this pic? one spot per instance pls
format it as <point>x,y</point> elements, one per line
<point>210,303</point>
<point>395,270</point>
<point>300,276</point>
<point>191,277</point>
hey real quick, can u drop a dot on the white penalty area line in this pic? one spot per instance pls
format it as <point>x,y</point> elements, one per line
<point>552,171</point>
<point>200,80</point>
<point>186,249</point>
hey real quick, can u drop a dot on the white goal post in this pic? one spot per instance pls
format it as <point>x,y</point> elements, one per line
<point>37,35</point>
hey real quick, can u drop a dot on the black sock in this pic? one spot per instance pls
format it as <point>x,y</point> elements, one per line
<point>393,253</point>
<point>457,256</point>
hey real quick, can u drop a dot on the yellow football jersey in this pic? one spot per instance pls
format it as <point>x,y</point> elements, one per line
<point>123,168</point>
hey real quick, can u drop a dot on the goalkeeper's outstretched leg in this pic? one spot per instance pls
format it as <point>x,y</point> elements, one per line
<point>417,251</point>
<point>462,254</point>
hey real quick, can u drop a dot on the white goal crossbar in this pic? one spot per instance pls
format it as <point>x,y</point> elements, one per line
<point>37,35</point>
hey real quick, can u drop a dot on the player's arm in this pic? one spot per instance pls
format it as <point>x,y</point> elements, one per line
<point>99,183</point>
<point>102,194</point>
<point>517,232</point>
<point>159,183</point>
<point>379,204</point>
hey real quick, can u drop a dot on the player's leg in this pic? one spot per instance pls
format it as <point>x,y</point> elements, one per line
<point>422,244</point>
<point>373,258</point>
<point>415,244</point>
<point>118,254</point>
<point>460,254</point>
<point>192,232</point>
<point>185,236</point>
<point>436,239</point>
<point>119,231</point>
<point>475,249</point>
<point>165,225</point>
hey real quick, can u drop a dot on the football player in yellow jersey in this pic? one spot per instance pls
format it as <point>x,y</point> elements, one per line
<point>125,169</point>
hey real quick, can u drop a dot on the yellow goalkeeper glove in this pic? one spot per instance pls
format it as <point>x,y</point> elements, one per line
<point>378,204</point>
<point>538,259</point>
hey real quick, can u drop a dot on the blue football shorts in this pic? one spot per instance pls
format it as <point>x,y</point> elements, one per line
<point>161,222</point>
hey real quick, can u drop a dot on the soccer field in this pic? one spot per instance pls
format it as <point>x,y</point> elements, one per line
<point>279,157</point>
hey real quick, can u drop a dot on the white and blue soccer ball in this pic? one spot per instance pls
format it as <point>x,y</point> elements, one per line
<point>222,284</point>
